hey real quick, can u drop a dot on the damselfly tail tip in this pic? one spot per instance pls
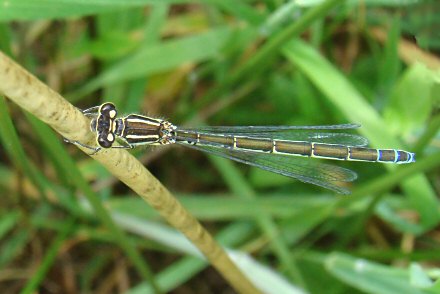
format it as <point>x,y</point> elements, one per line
<point>412,157</point>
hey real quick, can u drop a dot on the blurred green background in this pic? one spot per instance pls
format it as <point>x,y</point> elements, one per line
<point>225,62</point>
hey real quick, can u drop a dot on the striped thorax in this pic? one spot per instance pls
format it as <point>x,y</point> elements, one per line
<point>132,129</point>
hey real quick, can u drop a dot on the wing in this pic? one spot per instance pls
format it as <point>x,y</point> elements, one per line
<point>304,169</point>
<point>291,133</point>
<point>246,129</point>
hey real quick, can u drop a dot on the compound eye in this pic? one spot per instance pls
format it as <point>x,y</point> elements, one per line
<point>108,109</point>
<point>104,142</point>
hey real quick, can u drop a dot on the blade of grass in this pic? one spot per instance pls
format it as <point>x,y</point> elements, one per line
<point>187,267</point>
<point>152,36</point>
<point>14,246</point>
<point>279,17</point>
<point>215,207</point>
<point>370,277</point>
<point>48,260</point>
<point>430,132</point>
<point>55,9</point>
<point>262,58</point>
<point>240,9</point>
<point>237,184</point>
<point>93,269</point>
<point>386,182</point>
<point>351,103</point>
<point>5,37</point>
<point>173,276</point>
<point>13,147</point>
<point>360,222</point>
<point>260,274</point>
<point>159,58</point>
<point>7,222</point>
<point>379,186</point>
<point>390,65</point>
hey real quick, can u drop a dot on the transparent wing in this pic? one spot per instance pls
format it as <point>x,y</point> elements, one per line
<point>247,129</point>
<point>305,170</point>
<point>291,133</point>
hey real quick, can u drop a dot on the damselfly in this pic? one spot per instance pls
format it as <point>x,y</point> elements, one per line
<point>274,148</point>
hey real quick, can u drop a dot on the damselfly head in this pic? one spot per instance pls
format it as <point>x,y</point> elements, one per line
<point>104,125</point>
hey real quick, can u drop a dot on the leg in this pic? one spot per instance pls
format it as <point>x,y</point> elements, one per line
<point>95,149</point>
<point>123,145</point>
<point>91,111</point>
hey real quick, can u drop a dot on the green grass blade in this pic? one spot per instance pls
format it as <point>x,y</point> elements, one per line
<point>181,271</point>
<point>136,87</point>
<point>259,62</point>
<point>11,142</point>
<point>370,277</point>
<point>215,207</point>
<point>240,9</point>
<point>173,276</point>
<point>238,186</point>
<point>48,260</point>
<point>14,246</point>
<point>7,222</point>
<point>355,108</point>
<point>55,9</point>
<point>161,57</point>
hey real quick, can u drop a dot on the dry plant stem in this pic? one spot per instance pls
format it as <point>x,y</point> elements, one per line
<point>37,98</point>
